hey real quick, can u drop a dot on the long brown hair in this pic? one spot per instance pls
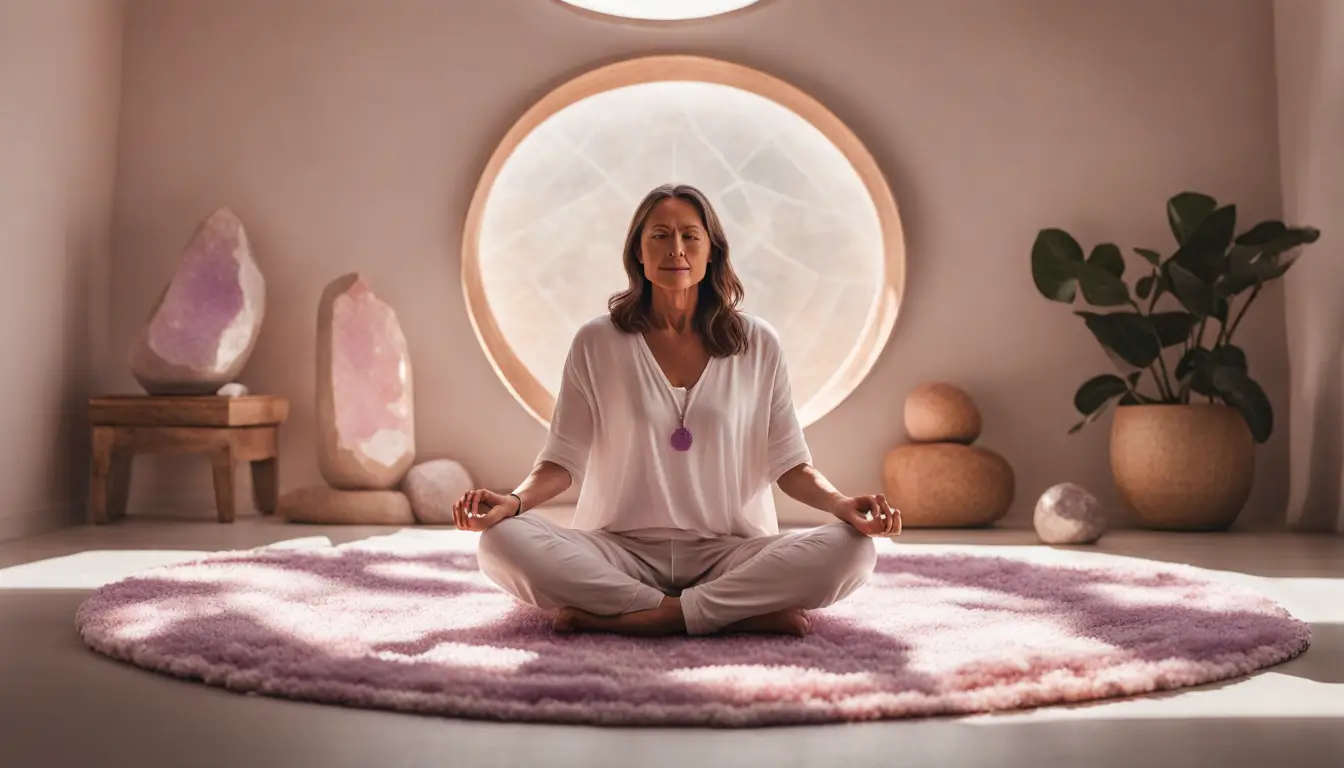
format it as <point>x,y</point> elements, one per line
<point>717,320</point>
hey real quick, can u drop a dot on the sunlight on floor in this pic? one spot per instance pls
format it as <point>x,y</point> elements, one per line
<point>1268,694</point>
<point>90,570</point>
<point>94,568</point>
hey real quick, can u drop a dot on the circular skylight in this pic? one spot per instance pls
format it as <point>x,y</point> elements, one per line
<point>661,10</point>
<point>813,229</point>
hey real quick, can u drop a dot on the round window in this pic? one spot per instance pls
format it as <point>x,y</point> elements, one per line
<point>813,229</point>
<point>661,10</point>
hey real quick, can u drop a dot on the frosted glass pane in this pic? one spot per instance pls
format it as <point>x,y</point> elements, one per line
<point>805,236</point>
<point>662,10</point>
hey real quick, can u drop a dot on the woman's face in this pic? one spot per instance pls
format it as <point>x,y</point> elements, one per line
<point>674,246</point>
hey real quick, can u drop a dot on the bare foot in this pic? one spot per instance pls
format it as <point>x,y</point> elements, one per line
<point>790,621</point>
<point>666,619</point>
<point>566,621</point>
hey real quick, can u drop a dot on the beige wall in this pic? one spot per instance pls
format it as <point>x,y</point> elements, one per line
<point>60,76</point>
<point>349,136</point>
<point>1310,36</point>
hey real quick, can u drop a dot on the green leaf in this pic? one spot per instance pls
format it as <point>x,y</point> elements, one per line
<point>1133,396</point>
<point>1128,334</point>
<point>1248,267</point>
<point>1242,256</point>
<point>1240,390</point>
<point>1190,361</point>
<point>1263,233</point>
<point>1145,286</point>
<point>1192,370</point>
<point>1101,277</point>
<point>1240,272</point>
<point>1161,286</point>
<point>1258,256</point>
<point>1054,257</point>
<point>1097,386</point>
<point>1185,211</point>
<point>1199,364</point>
<point>1173,327</point>
<point>1229,356</point>
<point>1205,250</point>
<point>1281,268</point>
<point>1152,256</point>
<point>1299,236</point>
<point>1101,288</point>
<point>1276,237</point>
<point>1194,294</point>
<point>1097,391</point>
<point>1089,418</point>
<point>1107,256</point>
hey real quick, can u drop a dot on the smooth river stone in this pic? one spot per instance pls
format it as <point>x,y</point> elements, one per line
<point>204,326</point>
<point>939,412</point>
<point>365,402</point>
<point>433,487</point>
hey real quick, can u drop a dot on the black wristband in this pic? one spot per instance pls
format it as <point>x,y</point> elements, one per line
<point>520,505</point>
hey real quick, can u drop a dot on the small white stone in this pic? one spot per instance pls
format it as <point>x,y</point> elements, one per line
<point>232,389</point>
<point>1068,514</point>
<point>433,487</point>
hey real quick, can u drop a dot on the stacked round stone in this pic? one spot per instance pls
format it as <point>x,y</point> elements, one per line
<point>940,479</point>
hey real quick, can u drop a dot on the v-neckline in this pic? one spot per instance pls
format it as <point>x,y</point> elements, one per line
<point>653,361</point>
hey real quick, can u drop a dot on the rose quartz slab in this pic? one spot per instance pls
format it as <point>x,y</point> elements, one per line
<point>365,399</point>
<point>203,328</point>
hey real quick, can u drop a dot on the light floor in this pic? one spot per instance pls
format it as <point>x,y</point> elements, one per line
<point>63,705</point>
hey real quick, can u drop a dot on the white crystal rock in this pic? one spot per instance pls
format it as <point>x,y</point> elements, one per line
<point>1067,514</point>
<point>232,389</point>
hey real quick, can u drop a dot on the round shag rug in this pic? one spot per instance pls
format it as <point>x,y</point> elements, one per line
<point>405,622</point>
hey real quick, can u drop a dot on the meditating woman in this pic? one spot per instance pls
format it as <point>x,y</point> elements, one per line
<point>675,413</point>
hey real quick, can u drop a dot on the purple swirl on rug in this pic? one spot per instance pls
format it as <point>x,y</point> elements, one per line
<point>415,628</point>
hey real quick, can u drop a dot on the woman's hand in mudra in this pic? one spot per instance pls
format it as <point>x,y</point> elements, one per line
<point>479,509</point>
<point>870,515</point>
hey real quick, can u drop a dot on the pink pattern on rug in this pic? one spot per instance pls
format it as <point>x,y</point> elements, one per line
<point>419,630</point>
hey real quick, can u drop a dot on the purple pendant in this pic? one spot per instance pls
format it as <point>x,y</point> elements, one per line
<point>681,439</point>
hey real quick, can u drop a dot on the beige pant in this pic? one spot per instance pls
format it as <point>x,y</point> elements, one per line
<point>720,581</point>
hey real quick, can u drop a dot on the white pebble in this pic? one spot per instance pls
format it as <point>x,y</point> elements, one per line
<point>232,389</point>
<point>1068,514</point>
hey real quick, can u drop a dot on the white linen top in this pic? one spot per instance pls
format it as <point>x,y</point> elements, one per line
<point>613,422</point>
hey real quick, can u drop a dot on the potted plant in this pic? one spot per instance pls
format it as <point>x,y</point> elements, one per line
<point>1189,413</point>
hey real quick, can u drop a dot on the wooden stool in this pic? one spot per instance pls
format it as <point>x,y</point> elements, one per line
<point>230,429</point>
